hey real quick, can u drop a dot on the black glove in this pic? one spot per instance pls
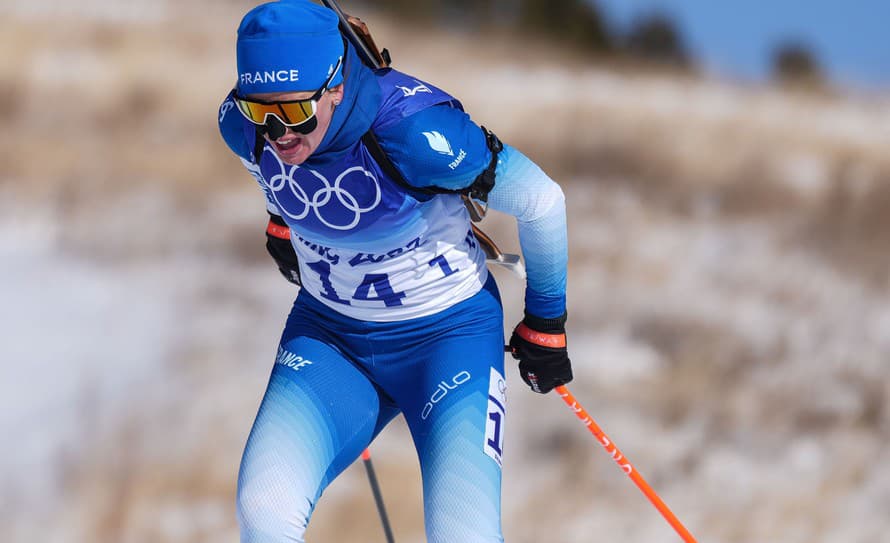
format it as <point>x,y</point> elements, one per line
<point>540,346</point>
<point>279,246</point>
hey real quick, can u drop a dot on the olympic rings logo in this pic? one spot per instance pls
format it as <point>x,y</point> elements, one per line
<point>345,208</point>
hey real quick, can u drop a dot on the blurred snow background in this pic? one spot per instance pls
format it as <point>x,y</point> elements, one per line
<point>730,324</point>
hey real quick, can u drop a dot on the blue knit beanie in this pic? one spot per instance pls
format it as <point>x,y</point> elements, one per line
<point>288,46</point>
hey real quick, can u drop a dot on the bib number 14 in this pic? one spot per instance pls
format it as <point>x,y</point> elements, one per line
<point>374,286</point>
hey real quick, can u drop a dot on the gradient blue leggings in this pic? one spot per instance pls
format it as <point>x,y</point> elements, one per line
<point>338,381</point>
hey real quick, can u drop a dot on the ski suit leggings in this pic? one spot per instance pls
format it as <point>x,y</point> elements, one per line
<point>338,381</point>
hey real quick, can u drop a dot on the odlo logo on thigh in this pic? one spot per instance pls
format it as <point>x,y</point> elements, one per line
<point>292,361</point>
<point>442,390</point>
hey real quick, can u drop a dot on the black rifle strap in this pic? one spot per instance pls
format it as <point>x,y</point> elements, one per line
<point>484,182</point>
<point>382,159</point>
<point>259,143</point>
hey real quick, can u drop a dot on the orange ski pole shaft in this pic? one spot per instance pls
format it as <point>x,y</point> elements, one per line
<point>624,463</point>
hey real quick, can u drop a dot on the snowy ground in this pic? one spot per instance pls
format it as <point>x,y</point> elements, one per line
<point>729,302</point>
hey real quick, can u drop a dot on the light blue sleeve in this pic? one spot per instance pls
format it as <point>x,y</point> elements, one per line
<point>523,190</point>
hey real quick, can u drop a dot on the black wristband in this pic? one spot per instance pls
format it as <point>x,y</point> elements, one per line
<point>550,326</point>
<point>276,219</point>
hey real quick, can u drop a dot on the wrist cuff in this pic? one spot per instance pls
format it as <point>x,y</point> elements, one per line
<point>280,231</point>
<point>555,325</point>
<point>277,219</point>
<point>554,341</point>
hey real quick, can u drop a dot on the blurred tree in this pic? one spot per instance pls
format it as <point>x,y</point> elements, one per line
<point>441,10</point>
<point>574,22</point>
<point>407,8</point>
<point>577,22</point>
<point>794,63</point>
<point>655,38</point>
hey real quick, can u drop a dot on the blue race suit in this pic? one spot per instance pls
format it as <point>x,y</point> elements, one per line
<point>397,312</point>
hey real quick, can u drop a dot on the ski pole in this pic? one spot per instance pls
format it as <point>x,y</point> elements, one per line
<point>624,463</point>
<point>378,497</point>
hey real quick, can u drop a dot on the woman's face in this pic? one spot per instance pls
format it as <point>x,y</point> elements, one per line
<point>294,148</point>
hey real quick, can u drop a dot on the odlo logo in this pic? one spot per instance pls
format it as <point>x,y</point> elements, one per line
<point>442,390</point>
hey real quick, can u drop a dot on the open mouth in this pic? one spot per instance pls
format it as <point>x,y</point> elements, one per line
<point>288,145</point>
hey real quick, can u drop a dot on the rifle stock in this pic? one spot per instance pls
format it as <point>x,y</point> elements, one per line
<point>358,34</point>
